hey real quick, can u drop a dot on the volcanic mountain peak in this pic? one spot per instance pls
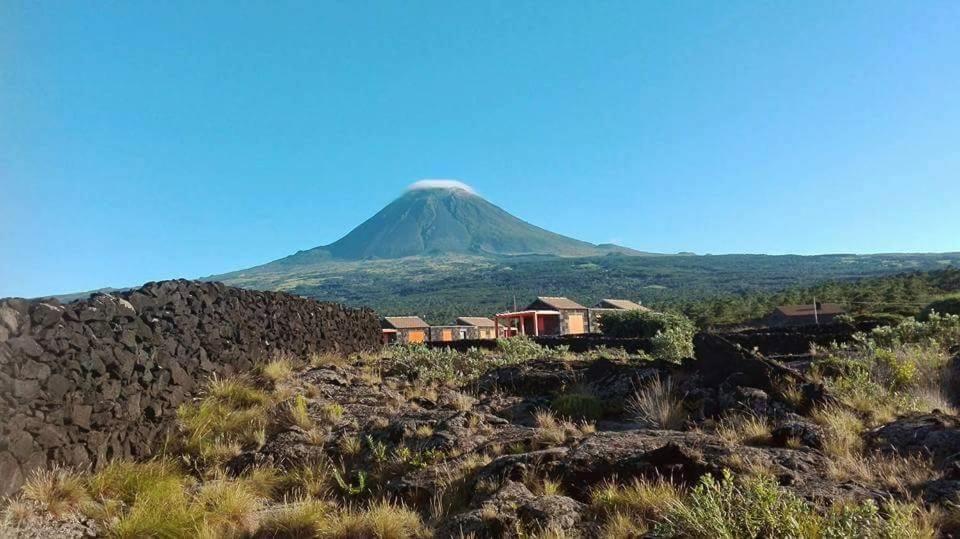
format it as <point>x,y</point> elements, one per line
<point>443,217</point>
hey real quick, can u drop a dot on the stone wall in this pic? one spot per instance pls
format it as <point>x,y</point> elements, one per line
<point>97,379</point>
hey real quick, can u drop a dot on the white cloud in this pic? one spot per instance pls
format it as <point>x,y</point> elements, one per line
<point>440,184</point>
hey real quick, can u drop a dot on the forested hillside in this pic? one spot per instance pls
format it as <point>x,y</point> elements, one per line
<point>442,288</point>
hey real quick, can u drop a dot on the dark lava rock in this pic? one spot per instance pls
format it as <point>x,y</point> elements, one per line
<point>934,434</point>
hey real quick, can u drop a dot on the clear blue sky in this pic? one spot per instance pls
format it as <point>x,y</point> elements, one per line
<point>149,140</point>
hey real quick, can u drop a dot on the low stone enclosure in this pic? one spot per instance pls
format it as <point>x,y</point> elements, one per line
<point>97,379</point>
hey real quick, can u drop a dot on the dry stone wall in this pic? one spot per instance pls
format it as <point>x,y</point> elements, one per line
<point>85,382</point>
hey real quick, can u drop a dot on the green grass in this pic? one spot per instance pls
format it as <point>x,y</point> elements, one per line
<point>578,405</point>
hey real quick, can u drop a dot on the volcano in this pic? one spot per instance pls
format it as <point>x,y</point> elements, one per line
<point>444,218</point>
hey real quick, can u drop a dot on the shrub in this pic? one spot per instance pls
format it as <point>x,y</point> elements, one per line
<point>578,405</point>
<point>671,334</point>
<point>935,329</point>
<point>427,364</point>
<point>880,381</point>
<point>658,405</point>
<point>753,507</point>
<point>521,348</point>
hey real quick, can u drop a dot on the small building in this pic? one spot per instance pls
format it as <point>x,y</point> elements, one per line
<point>619,305</point>
<point>404,329</point>
<point>452,333</point>
<point>485,328</point>
<point>611,305</point>
<point>804,315</point>
<point>547,315</point>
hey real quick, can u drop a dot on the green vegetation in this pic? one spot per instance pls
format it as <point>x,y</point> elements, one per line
<point>751,506</point>
<point>230,418</point>
<point>893,369</point>
<point>887,299</point>
<point>577,405</point>
<point>671,333</point>
<point>445,364</point>
<point>710,290</point>
<point>759,507</point>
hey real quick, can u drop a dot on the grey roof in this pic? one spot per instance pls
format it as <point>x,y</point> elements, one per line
<point>624,304</point>
<point>405,322</point>
<point>478,321</point>
<point>559,303</point>
<point>807,310</point>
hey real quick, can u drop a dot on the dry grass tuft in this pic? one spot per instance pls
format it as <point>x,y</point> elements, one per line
<point>326,359</point>
<point>424,431</point>
<point>299,413</point>
<point>331,412</point>
<point>17,513</point>
<point>901,475</point>
<point>350,445</point>
<point>620,526</point>
<point>382,520</point>
<point>643,499</point>
<point>461,402</point>
<point>280,369</point>
<point>58,491</point>
<point>263,481</point>
<point>658,405</point>
<point>747,429</point>
<point>300,519</point>
<point>230,508</point>
<point>842,430</point>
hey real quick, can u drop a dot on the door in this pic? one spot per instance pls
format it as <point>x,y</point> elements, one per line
<point>415,336</point>
<point>446,335</point>
<point>575,323</point>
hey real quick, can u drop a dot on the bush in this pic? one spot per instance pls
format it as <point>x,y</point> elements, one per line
<point>671,334</point>
<point>759,507</point>
<point>421,362</point>
<point>445,364</point>
<point>935,330</point>
<point>521,348</point>
<point>578,405</point>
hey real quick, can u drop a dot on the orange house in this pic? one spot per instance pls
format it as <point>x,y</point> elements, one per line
<point>404,329</point>
<point>547,315</point>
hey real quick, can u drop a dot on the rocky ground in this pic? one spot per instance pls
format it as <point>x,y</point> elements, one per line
<point>571,446</point>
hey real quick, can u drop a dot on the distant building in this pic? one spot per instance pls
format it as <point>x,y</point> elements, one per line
<point>620,305</point>
<point>485,328</point>
<point>404,329</point>
<point>452,333</point>
<point>611,305</point>
<point>804,315</point>
<point>547,315</point>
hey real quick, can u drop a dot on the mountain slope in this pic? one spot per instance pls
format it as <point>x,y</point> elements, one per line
<point>446,221</point>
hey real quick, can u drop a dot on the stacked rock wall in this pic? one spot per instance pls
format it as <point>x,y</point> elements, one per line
<point>97,379</point>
